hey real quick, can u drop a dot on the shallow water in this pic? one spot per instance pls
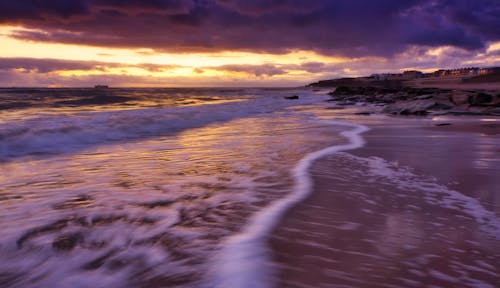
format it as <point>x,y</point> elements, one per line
<point>103,196</point>
<point>182,187</point>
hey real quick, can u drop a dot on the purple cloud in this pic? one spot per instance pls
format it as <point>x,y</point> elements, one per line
<point>341,27</point>
<point>43,66</point>
<point>257,70</point>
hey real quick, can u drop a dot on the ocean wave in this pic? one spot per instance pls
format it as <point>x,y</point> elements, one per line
<point>243,260</point>
<point>56,134</point>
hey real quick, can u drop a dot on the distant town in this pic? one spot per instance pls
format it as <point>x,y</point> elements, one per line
<point>469,75</point>
<point>414,74</point>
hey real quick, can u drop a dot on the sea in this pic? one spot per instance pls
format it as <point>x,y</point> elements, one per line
<point>171,187</point>
<point>145,187</point>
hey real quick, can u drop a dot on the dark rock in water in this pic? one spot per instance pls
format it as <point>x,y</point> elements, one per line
<point>293,97</point>
<point>443,124</point>
<point>363,113</point>
<point>67,242</point>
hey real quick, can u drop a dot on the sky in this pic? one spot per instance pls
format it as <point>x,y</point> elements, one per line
<point>203,43</point>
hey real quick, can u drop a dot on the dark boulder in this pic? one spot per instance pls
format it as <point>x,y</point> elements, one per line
<point>459,98</point>
<point>293,97</point>
<point>417,107</point>
<point>481,98</point>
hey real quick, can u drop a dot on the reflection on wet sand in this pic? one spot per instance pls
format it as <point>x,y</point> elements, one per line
<point>372,222</point>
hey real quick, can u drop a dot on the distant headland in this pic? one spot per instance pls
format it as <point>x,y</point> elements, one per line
<point>465,91</point>
<point>472,77</point>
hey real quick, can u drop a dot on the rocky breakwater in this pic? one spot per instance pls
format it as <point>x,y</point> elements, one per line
<point>421,101</point>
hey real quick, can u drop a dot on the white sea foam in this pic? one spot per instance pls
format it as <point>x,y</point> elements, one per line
<point>433,192</point>
<point>174,196</point>
<point>242,262</point>
<point>69,132</point>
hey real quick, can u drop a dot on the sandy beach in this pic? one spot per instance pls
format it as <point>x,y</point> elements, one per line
<point>418,206</point>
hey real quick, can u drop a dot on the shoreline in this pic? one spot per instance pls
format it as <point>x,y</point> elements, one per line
<point>331,239</point>
<point>485,128</point>
<point>251,243</point>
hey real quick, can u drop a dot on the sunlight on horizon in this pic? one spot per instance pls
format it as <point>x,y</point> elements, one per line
<point>155,68</point>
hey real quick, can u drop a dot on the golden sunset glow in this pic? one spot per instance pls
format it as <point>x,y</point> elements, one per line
<point>12,47</point>
<point>136,62</point>
<point>193,68</point>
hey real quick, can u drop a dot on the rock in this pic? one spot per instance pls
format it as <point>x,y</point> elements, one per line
<point>459,98</point>
<point>389,98</point>
<point>417,107</point>
<point>293,97</point>
<point>480,99</point>
<point>344,90</point>
<point>442,104</point>
<point>67,242</point>
<point>363,113</point>
<point>443,124</point>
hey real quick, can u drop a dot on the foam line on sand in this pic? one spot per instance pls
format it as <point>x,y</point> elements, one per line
<point>243,260</point>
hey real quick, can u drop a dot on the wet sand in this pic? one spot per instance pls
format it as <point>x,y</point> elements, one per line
<point>484,128</point>
<point>413,208</point>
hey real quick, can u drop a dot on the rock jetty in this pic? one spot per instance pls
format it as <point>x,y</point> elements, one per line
<point>421,101</point>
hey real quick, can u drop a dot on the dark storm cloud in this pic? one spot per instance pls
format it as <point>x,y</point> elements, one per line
<point>33,65</point>
<point>39,9</point>
<point>48,65</point>
<point>335,27</point>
